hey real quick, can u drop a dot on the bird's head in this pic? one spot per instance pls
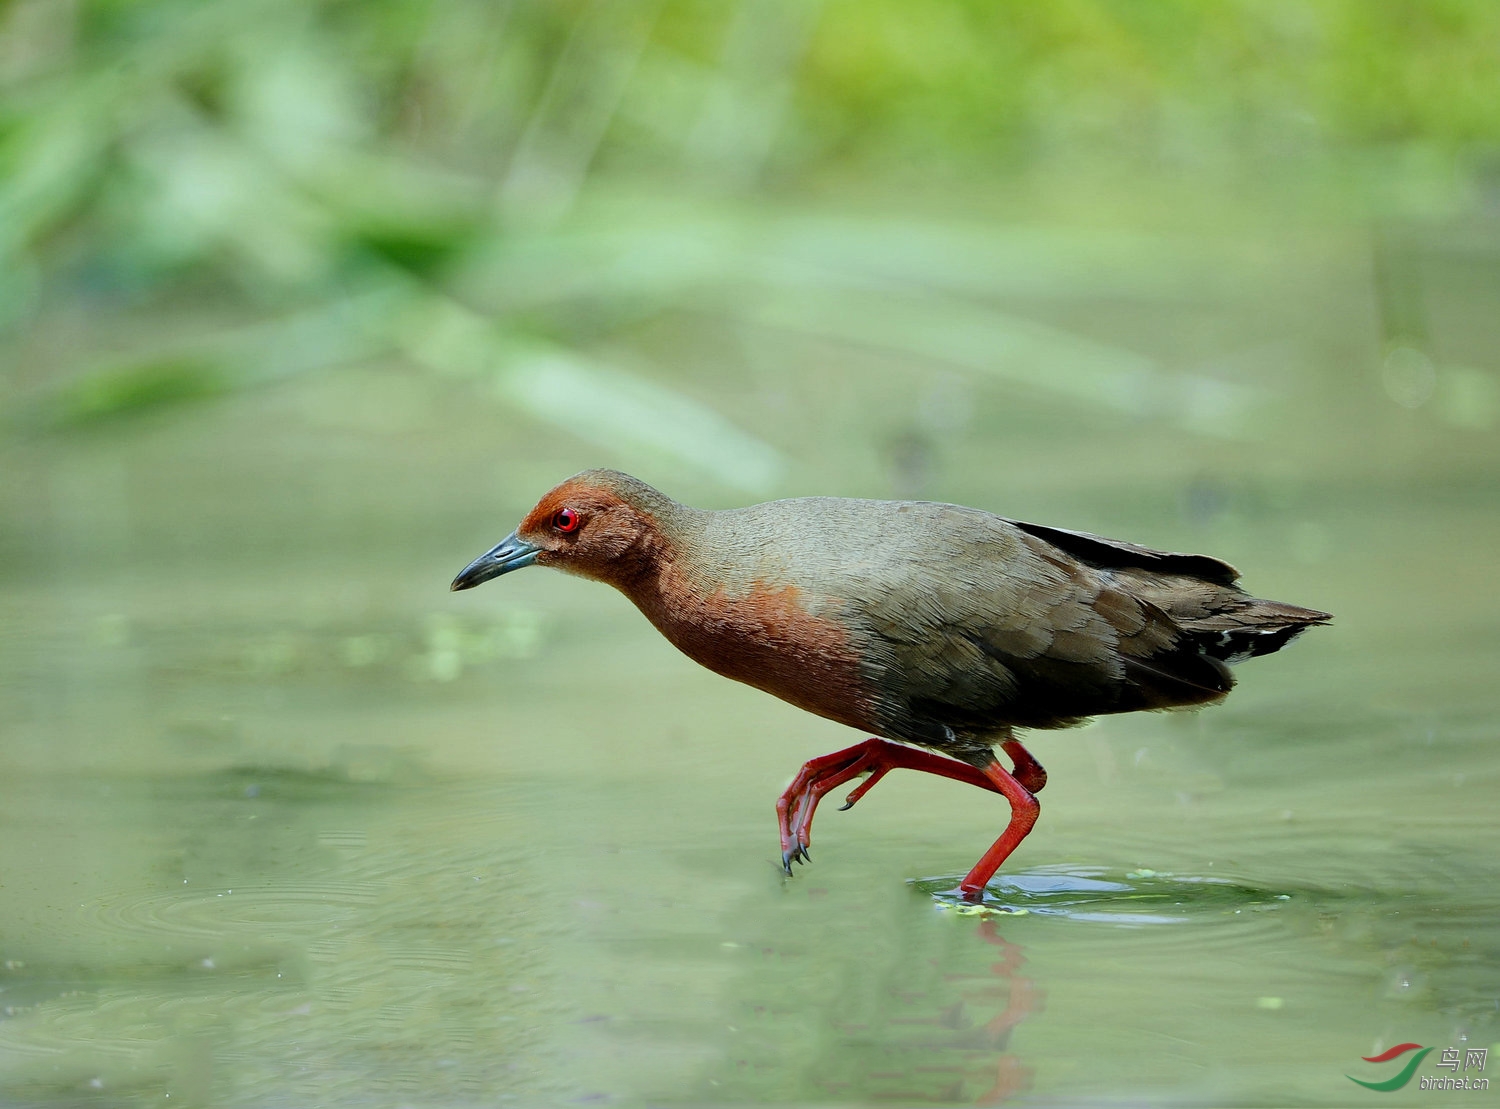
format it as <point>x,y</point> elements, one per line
<point>599,524</point>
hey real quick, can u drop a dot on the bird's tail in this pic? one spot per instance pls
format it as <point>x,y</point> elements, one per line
<point>1251,627</point>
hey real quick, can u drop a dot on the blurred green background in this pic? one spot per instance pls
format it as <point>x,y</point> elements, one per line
<point>303,304</point>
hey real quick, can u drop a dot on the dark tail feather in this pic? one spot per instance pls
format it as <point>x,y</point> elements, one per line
<point>1260,628</point>
<point>1178,680</point>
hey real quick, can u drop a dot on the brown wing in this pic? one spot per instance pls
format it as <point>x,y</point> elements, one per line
<point>1008,629</point>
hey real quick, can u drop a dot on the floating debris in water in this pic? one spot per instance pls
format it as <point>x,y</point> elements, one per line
<point>971,909</point>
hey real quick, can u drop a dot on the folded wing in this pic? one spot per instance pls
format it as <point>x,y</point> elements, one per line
<point>1045,627</point>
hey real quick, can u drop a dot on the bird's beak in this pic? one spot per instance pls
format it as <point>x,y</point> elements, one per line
<point>511,553</point>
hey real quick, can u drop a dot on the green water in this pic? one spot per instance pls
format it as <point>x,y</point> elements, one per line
<point>282,822</point>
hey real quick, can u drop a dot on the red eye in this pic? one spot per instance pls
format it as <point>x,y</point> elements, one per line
<point>565,520</point>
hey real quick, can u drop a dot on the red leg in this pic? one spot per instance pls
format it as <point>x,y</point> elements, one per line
<point>872,761</point>
<point>791,805</point>
<point>801,825</point>
<point>1028,771</point>
<point>877,757</point>
<point>1023,814</point>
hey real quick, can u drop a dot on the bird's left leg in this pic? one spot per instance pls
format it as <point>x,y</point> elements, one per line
<point>1029,772</point>
<point>1023,813</point>
<point>876,757</point>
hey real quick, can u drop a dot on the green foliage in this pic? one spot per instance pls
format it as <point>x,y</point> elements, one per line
<point>133,389</point>
<point>265,155</point>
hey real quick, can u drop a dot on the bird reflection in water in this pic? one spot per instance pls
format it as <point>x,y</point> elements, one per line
<point>1022,998</point>
<point>985,1071</point>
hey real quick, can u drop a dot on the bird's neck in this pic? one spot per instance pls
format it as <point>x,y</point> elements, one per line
<point>663,572</point>
<point>656,568</point>
<point>690,588</point>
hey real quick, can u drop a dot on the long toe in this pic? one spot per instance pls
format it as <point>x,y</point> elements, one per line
<point>798,853</point>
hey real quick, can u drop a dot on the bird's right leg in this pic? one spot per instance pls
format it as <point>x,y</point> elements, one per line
<point>1023,813</point>
<point>876,757</point>
<point>1027,771</point>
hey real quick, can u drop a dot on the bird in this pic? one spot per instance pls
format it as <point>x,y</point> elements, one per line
<point>939,630</point>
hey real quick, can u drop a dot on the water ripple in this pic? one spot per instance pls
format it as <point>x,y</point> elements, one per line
<point>1094,895</point>
<point>200,914</point>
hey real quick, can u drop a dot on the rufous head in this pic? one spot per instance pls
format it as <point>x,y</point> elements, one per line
<point>600,524</point>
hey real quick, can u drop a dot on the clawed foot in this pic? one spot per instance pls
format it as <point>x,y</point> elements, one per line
<point>798,854</point>
<point>796,806</point>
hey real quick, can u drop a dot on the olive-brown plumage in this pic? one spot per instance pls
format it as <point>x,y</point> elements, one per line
<point>931,624</point>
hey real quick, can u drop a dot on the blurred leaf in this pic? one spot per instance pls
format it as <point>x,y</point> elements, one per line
<point>584,171</point>
<point>593,400</point>
<point>588,78</point>
<point>421,249</point>
<point>226,361</point>
<point>131,390</point>
<point>615,409</point>
<point>1024,352</point>
<point>48,161</point>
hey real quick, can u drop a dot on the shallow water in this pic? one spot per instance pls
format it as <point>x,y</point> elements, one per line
<point>284,823</point>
